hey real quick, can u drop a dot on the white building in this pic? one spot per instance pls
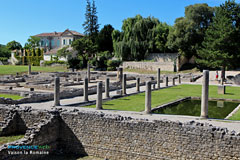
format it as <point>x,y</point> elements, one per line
<point>54,41</point>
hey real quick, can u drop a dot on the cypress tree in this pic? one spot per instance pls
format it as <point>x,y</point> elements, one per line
<point>91,25</point>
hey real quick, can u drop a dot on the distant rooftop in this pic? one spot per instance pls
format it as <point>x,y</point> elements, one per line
<point>57,34</point>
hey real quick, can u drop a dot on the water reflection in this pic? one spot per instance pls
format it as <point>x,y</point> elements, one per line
<point>216,109</point>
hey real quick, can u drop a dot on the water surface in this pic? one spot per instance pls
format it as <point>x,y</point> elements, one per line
<point>216,109</point>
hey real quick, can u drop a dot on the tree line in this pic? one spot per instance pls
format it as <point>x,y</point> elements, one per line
<point>209,34</point>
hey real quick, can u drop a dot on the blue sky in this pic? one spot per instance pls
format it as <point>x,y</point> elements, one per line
<point>23,18</point>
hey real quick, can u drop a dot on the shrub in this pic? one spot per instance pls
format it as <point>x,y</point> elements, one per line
<point>113,64</point>
<point>4,60</point>
<point>100,62</point>
<point>48,63</point>
<point>75,63</point>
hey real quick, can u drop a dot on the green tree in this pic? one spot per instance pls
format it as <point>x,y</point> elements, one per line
<point>105,42</point>
<point>64,52</point>
<point>4,51</point>
<point>188,32</point>
<point>91,25</point>
<point>221,44</point>
<point>14,45</point>
<point>33,42</point>
<point>86,49</point>
<point>139,37</point>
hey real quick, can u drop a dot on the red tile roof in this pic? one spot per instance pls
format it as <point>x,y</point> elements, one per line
<point>57,34</point>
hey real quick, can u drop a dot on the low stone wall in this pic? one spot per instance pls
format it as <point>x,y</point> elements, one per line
<point>13,124</point>
<point>114,136</point>
<point>152,66</point>
<point>45,133</point>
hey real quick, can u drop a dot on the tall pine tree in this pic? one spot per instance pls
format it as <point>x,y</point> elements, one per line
<point>91,25</point>
<point>87,24</point>
<point>220,46</point>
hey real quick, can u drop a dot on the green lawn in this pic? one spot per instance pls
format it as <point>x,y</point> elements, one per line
<point>236,116</point>
<point>8,139</point>
<point>10,69</point>
<point>163,96</point>
<point>14,97</point>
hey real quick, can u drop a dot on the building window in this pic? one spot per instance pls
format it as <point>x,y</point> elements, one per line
<point>47,43</point>
<point>64,42</point>
<point>52,43</point>
<point>58,43</point>
<point>70,41</point>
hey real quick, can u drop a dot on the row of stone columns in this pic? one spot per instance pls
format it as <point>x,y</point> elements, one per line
<point>85,90</point>
<point>99,89</point>
<point>204,99</point>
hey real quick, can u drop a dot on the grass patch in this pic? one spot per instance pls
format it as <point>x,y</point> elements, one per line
<point>236,116</point>
<point>163,96</point>
<point>13,97</point>
<point>10,69</point>
<point>8,139</point>
<point>144,71</point>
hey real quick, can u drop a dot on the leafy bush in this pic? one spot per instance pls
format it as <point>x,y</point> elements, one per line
<point>75,63</point>
<point>48,63</point>
<point>113,64</point>
<point>4,60</point>
<point>100,62</point>
<point>33,56</point>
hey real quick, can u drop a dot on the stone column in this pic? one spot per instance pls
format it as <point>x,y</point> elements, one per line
<point>204,100</point>
<point>107,88</point>
<point>138,85</point>
<point>88,72</point>
<point>179,79</point>
<point>29,69</point>
<point>120,75</point>
<point>85,90</point>
<point>77,78</point>
<point>154,87</point>
<point>56,91</point>
<point>166,81</point>
<point>221,89</point>
<point>99,96</point>
<point>158,78</point>
<point>173,81</point>
<point>148,98</point>
<point>124,84</point>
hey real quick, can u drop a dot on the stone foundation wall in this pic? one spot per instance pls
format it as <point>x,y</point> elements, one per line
<point>44,133</point>
<point>152,66</point>
<point>115,136</point>
<point>13,124</point>
<point>125,138</point>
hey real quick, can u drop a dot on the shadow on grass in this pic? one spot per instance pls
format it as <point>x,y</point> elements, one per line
<point>108,104</point>
<point>124,99</point>
<point>229,94</point>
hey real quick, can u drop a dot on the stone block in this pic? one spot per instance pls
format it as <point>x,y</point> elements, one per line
<point>221,89</point>
<point>220,104</point>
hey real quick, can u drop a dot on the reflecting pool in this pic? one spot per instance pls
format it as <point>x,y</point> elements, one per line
<point>216,109</point>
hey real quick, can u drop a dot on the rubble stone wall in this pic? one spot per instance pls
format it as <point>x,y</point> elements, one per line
<point>114,136</point>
